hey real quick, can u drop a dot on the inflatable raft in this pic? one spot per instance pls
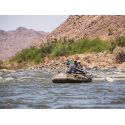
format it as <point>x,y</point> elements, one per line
<point>71,78</point>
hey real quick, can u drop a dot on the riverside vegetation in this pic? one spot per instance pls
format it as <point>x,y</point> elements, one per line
<point>57,48</point>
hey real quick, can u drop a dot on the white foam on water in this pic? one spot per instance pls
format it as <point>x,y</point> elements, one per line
<point>1,78</point>
<point>109,79</point>
<point>98,79</point>
<point>9,79</point>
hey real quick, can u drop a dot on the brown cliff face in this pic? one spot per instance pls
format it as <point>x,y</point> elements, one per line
<point>14,41</point>
<point>104,27</point>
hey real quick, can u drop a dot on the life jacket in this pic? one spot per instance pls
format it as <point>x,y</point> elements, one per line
<point>68,62</point>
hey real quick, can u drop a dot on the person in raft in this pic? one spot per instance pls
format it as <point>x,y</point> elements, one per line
<point>68,62</point>
<point>80,68</point>
<point>75,68</point>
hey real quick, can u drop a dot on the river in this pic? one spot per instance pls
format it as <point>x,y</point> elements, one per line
<point>27,89</point>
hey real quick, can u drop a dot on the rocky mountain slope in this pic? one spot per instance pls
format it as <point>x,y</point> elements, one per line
<point>104,27</point>
<point>14,41</point>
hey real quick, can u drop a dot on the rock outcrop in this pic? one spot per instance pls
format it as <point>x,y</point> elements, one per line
<point>79,26</point>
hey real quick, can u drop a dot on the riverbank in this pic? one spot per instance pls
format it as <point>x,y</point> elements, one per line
<point>102,60</point>
<point>93,53</point>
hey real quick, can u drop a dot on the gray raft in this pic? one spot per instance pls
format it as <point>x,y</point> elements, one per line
<point>71,78</point>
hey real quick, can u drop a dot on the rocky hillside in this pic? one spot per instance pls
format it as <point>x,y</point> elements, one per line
<point>14,41</point>
<point>104,27</point>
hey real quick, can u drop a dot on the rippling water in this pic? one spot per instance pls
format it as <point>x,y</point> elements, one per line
<point>34,89</point>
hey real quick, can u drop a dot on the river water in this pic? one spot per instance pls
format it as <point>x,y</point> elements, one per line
<point>34,89</point>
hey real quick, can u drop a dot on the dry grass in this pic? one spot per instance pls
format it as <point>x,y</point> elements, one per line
<point>119,53</point>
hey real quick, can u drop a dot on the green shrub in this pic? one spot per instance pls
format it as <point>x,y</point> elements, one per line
<point>28,55</point>
<point>117,42</point>
<point>66,47</point>
<point>58,50</point>
<point>78,47</point>
<point>87,45</point>
<point>47,48</point>
<point>120,41</point>
<point>95,45</point>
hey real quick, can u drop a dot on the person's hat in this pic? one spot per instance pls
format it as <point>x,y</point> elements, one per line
<point>78,61</point>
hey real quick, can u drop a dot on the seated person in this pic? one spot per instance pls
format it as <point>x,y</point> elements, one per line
<point>75,68</point>
<point>72,68</point>
<point>68,62</point>
<point>80,68</point>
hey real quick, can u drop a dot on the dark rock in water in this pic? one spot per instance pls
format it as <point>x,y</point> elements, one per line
<point>95,68</point>
<point>71,78</point>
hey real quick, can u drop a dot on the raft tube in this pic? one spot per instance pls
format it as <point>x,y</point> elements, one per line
<point>71,78</point>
